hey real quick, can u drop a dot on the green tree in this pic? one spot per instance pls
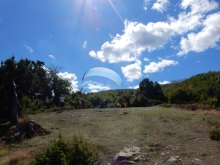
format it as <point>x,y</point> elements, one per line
<point>217,94</point>
<point>58,84</point>
<point>201,89</point>
<point>178,96</point>
<point>34,82</point>
<point>150,90</point>
<point>7,77</point>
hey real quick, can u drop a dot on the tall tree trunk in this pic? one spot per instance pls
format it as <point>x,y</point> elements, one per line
<point>14,110</point>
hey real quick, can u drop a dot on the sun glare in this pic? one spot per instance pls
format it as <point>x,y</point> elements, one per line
<point>115,10</point>
<point>96,3</point>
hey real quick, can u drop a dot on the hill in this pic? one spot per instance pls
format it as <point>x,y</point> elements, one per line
<point>201,89</point>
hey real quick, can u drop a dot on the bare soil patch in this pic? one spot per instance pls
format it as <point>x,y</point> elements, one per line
<point>164,135</point>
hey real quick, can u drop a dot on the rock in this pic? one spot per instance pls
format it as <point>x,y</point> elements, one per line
<point>130,162</point>
<point>174,159</point>
<point>137,158</point>
<point>124,154</point>
<point>196,161</point>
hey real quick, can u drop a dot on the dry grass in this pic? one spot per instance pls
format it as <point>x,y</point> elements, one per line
<point>2,151</point>
<point>17,156</point>
<point>159,132</point>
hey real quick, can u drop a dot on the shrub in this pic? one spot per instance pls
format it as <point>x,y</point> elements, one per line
<point>192,107</point>
<point>82,152</point>
<point>61,152</point>
<point>54,109</point>
<point>25,102</point>
<point>218,109</point>
<point>215,134</point>
<point>37,104</point>
<point>2,150</point>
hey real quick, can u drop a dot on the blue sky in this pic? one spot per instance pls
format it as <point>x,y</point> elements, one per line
<point>163,40</point>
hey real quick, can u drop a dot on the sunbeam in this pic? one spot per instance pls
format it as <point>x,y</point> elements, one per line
<point>78,3</point>
<point>116,11</point>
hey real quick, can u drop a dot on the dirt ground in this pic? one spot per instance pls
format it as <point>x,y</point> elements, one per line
<point>165,136</point>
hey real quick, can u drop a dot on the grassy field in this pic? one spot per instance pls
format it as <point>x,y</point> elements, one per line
<point>160,133</point>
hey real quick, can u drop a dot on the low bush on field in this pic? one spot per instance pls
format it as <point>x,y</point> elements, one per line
<point>2,150</point>
<point>63,152</point>
<point>215,134</point>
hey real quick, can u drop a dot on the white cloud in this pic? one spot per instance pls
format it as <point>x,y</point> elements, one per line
<point>160,5</point>
<point>29,48</point>
<point>92,53</point>
<point>206,38</point>
<point>111,35</point>
<point>199,6</point>
<point>96,87</point>
<point>185,23</point>
<point>156,67</point>
<point>84,44</point>
<point>51,56</point>
<point>164,82</point>
<point>134,87</point>
<point>133,71</point>
<point>146,3</point>
<point>138,37</point>
<point>71,78</point>
<point>146,59</point>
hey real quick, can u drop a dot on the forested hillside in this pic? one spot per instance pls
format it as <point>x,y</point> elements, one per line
<point>201,89</point>
<point>38,89</point>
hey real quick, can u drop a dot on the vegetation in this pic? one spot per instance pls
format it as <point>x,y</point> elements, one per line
<point>159,132</point>
<point>215,134</point>
<point>39,87</point>
<point>201,89</point>
<point>62,152</point>
<point>38,90</point>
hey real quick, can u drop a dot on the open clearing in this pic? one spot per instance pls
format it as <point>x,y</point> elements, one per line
<point>160,133</point>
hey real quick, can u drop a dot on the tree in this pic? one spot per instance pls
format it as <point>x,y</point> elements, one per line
<point>151,90</point>
<point>7,77</point>
<point>178,96</point>
<point>201,89</point>
<point>58,84</point>
<point>34,82</point>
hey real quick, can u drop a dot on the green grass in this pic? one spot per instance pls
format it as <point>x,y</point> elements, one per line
<point>159,132</point>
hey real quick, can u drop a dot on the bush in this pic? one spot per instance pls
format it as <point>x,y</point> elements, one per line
<point>215,134</point>
<point>2,150</point>
<point>25,102</point>
<point>54,109</point>
<point>192,107</point>
<point>218,109</point>
<point>37,104</point>
<point>61,152</point>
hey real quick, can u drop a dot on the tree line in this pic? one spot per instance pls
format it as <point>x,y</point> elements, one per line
<point>39,87</point>
<point>202,89</point>
<point>36,85</point>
